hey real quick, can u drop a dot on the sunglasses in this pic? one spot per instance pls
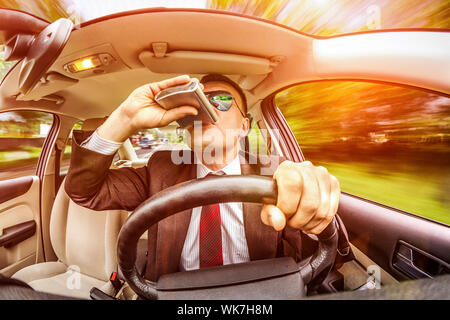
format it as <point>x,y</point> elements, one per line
<point>221,100</point>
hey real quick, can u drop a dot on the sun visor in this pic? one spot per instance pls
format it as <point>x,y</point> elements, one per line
<point>197,62</point>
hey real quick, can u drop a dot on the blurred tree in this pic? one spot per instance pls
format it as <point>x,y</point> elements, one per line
<point>50,10</point>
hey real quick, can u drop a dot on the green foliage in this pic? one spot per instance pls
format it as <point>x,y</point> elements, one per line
<point>257,144</point>
<point>423,194</point>
<point>23,156</point>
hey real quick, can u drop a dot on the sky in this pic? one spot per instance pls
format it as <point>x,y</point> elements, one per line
<point>91,9</point>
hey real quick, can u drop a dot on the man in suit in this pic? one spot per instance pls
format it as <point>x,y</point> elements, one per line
<point>308,196</point>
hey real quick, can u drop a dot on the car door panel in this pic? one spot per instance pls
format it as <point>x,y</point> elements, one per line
<point>19,211</point>
<point>378,231</point>
<point>17,233</point>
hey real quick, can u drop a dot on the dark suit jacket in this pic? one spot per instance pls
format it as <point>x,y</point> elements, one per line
<point>90,183</point>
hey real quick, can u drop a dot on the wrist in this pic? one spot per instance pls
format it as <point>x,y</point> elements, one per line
<point>116,128</point>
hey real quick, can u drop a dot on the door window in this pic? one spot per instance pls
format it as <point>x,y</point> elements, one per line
<point>22,135</point>
<point>385,143</point>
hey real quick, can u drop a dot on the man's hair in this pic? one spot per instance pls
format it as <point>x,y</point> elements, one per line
<point>219,77</point>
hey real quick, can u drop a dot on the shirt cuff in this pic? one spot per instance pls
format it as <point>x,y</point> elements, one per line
<point>100,145</point>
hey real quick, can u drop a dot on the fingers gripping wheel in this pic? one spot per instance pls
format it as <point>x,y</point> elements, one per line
<point>202,192</point>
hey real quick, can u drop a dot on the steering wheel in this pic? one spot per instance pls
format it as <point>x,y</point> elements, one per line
<point>201,192</point>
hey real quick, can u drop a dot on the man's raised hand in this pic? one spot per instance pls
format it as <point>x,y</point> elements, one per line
<point>140,111</point>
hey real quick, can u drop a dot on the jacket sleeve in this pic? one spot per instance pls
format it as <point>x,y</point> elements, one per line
<point>91,184</point>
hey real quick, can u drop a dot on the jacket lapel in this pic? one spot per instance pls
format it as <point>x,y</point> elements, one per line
<point>172,230</point>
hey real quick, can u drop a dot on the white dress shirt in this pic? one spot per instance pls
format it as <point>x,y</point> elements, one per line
<point>234,242</point>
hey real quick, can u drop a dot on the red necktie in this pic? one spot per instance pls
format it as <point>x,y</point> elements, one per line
<point>210,236</point>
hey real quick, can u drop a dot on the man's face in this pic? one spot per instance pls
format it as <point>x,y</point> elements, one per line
<point>212,139</point>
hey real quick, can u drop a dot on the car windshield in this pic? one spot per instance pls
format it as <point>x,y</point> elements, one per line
<point>316,17</point>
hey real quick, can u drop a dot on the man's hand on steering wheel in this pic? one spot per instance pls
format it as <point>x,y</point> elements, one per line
<point>308,198</point>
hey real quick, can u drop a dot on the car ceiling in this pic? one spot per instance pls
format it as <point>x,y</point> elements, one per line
<point>126,35</point>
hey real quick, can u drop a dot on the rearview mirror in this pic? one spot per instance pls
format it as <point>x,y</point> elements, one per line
<point>43,50</point>
<point>37,43</point>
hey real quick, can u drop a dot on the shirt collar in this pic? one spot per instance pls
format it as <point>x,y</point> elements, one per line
<point>233,168</point>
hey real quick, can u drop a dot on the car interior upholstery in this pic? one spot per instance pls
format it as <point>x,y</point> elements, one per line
<point>77,234</point>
